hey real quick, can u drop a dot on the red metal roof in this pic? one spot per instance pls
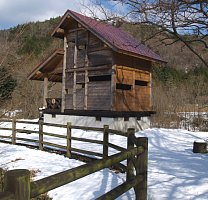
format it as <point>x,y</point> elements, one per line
<point>115,37</point>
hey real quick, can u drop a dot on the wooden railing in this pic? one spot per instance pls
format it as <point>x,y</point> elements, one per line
<point>17,182</point>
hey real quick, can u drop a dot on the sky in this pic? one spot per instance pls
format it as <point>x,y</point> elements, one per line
<point>14,12</point>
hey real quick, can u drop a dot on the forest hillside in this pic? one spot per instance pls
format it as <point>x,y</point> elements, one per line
<point>178,86</point>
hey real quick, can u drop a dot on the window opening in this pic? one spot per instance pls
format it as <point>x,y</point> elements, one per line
<point>121,86</point>
<point>141,83</point>
<point>100,78</point>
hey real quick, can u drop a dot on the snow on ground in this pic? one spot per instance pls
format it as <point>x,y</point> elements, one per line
<point>174,172</point>
<point>46,164</point>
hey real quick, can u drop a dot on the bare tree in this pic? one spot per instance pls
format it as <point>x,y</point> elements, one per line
<point>179,20</point>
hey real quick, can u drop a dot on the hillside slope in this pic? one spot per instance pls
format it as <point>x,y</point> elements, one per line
<point>25,46</point>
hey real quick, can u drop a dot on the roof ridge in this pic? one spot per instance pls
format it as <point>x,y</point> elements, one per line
<point>106,24</point>
<point>116,38</point>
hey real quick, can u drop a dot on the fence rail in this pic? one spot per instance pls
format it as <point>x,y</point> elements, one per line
<point>41,143</point>
<point>135,154</point>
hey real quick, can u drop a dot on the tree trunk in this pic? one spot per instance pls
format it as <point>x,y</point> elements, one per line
<point>200,147</point>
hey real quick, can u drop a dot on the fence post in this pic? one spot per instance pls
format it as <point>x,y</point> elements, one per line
<point>105,141</point>
<point>68,137</point>
<point>130,144</point>
<point>18,183</point>
<point>141,169</point>
<point>14,131</point>
<point>40,134</point>
<point>1,179</point>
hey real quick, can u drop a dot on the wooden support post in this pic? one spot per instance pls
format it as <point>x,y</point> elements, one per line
<point>86,90</point>
<point>41,134</point>
<point>113,86</point>
<point>150,91</point>
<point>45,91</point>
<point>68,150</point>
<point>1,180</point>
<point>105,141</point>
<point>86,72</point>
<point>135,102</point>
<point>75,73</point>
<point>141,169</point>
<point>130,145</point>
<point>64,77</point>
<point>74,90</point>
<point>18,183</point>
<point>13,131</point>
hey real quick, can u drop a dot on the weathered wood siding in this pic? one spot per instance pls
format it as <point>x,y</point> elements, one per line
<point>94,43</point>
<point>80,98</point>
<point>132,90</point>
<point>69,80</point>
<point>99,95</point>
<point>132,62</point>
<point>80,58</point>
<point>106,71</point>
<point>70,56</point>
<point>80,77</point>
<point>69,101</point>
<point>99,79</point>
<point>134,75</point>
<point>100,58</point>
<point>83,92</point>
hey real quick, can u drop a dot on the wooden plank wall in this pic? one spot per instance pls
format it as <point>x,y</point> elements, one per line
<point>99,95</point>
<point>91,53</point>
<point>69,101</point>
<point>87,57</point>
<point>70,55</point>
<point>138,97</point>
<point>80,95</point>
<point>132,62</point>
<point>69,76</point>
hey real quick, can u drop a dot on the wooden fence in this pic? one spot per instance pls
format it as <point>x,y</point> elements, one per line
<point>17,182</point>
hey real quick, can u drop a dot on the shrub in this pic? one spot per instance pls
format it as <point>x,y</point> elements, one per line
<point>7,84</point>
